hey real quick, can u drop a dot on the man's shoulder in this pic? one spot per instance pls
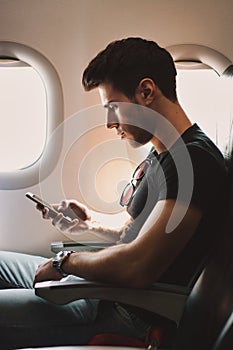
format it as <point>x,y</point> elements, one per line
<point>198,142</point>
<point>199,146</point>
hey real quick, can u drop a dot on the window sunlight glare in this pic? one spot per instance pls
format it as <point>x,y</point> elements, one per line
<point>207,100</point>
<point>23,117</point>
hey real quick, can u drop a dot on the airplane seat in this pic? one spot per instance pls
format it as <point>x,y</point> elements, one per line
<point>208,309</point>
<point>205,317</point>
<point>209,305</point>
<point>207,320</point>
<point>225,339</point>
<point>162,333</point>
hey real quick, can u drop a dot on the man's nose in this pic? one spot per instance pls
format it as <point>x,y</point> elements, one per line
<point>112,120</point>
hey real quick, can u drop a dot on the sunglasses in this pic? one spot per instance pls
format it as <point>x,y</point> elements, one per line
<point>130,188</point>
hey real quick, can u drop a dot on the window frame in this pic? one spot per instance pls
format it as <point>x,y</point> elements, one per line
<point>31,175</point>
<point>193,56</point>
<point>182,53</point>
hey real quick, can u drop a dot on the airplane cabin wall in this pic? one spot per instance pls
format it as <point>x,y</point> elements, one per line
<point>69,33</point>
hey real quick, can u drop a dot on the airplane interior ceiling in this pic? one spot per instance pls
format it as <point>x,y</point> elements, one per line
<point>70,32</point>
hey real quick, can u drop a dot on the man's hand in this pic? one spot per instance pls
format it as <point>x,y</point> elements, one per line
<point>73,209</point>
<point>46,272</point>
<point>81,221</point>
<point>74,227</point>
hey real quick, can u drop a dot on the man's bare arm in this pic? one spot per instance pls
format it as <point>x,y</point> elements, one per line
<point>141,262</point>
<point>105,227</point>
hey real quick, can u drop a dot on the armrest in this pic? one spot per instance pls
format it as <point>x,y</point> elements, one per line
<point>77,246</point>
<point>164,299</point>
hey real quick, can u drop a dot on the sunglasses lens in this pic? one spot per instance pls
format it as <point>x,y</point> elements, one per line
<point>127,195</point>
<point>140,171</point>
<point>130,188</point>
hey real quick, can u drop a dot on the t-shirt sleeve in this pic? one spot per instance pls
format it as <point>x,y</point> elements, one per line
<point>191,175</point>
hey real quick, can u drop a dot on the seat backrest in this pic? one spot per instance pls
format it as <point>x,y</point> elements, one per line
<point>225,339</point>
<point>210,303</point>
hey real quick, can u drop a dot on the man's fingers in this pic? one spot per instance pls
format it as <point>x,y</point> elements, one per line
<point>58,219</point>
<point>63,205</point>
<point>62,225</point>
<point>45,213</point>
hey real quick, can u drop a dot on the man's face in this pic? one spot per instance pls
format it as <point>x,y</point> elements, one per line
<point>125,115</point>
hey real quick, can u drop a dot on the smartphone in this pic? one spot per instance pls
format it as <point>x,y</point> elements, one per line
<point>52,212</point>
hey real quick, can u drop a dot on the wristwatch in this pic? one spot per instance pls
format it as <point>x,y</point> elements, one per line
<point>59,259</point>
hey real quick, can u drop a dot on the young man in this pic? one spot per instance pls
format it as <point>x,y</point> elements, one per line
<point>175,201</point>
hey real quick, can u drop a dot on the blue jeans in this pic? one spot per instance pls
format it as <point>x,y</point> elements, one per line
<point>28,321</point>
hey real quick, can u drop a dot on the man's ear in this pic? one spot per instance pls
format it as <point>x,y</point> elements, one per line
<point>146,91</point>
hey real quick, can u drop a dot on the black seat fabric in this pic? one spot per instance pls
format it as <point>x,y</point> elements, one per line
<point>210,303</point>
<point>208,306</point>
<point>225,339</point>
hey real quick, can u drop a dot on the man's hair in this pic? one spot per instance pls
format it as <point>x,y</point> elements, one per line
<point>124,63</point>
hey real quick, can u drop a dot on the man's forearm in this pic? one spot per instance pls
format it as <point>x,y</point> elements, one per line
<point>101,226</point>
<point>104,233</point>
<point>109,265</point>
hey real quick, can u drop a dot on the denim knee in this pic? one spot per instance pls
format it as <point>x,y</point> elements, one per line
<point>18,270</point>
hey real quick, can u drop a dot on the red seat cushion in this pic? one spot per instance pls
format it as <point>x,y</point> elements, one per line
<point>158,334</point>
<point>116,340</point>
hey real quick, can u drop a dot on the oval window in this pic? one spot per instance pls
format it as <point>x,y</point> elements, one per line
<point>31,109</point>
<point>22,115</point>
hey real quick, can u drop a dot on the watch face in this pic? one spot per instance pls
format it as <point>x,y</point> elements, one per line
<point>55,261</point>
<point>58,259</point>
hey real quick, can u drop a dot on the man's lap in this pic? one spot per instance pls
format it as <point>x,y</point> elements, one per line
<point>17,274</point>
<point>27,320</point>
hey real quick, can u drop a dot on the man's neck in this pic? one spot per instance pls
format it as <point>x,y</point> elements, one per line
<point>170,128</point>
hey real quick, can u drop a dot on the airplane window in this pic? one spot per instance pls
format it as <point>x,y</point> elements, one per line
<point>31,109</point>
<point>22,115</point>
<point>207,100</point>
<point>204,88</point>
